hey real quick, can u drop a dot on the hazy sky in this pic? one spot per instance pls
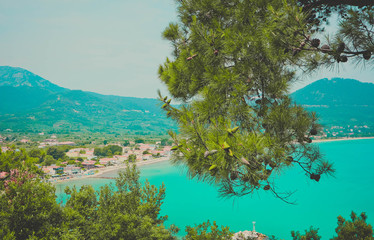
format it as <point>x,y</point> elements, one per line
<point>105,46</point>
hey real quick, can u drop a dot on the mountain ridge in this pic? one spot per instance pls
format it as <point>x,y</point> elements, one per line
<point>339,101</point>
<point>336,91</point>
<point>33,100</point>
<point>16,77</point>
<point>32,103</point>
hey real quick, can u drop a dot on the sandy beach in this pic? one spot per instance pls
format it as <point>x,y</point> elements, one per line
<point>101,171</point>
<point>340,139</point>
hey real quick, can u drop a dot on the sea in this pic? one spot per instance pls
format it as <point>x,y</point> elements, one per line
<point>189,202</point>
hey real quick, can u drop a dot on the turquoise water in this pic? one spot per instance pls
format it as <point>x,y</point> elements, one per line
<point>189,202</point>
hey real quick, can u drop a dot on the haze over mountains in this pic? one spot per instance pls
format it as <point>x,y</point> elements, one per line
<point>30,103</point>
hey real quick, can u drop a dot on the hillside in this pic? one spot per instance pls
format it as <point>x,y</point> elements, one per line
<point>32,103</point>
<point>339,101</point>
<point>19,77</point>
<point>29,102</point>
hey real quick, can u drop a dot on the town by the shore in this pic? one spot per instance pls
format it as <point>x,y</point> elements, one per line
<point>100,171</point>
<point>104,170</point>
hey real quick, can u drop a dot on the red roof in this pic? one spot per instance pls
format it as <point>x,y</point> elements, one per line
<point>88,163</point>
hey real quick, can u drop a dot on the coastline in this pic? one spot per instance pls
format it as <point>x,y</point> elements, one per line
<point>340,139</point>
<point>104,170</point>
<point>111,169</point>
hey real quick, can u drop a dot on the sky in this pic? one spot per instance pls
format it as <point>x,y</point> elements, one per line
<point>105,46</point>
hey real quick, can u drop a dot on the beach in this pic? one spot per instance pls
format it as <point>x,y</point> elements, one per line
<point>340,139</point>
<point>104,170</point>
<point>189,202</point>
<point>101,171</point>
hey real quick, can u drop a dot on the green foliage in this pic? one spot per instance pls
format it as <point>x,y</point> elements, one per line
<point>139,140</point>
<point>208,231</point>
<point>166,142</point>
<point>131,158</point>
<point>28,210</point>
<point>351,41</point>
<point>132,212</point>
<point>108,151</point>
<point>311,234</point>
<point>126,143</point>
<point>96,112</point>
<point>232,74</point>
<point>56,153</point>
<point>339,101</point>
<point>49,160</point>
<point>17,159</point>
<point>37,153</point>
<point>71,162</point>
<point>356,228</point>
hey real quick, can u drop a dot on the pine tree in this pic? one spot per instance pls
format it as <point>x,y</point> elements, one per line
<point>231,70</point>
<point>311,234</point>
<point>356,228</point>
<point>352,40</point>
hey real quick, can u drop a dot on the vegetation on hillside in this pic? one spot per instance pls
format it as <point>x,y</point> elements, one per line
<point>339,102</point>
<point>108,151</point>
<point>31,103</point>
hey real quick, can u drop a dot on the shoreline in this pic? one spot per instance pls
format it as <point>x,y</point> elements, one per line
<point>111,169</point>
<point>142,163</point>
<point>341,139</point>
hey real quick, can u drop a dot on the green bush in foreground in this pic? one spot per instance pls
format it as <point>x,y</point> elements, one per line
<point>129,210</point>
<point>354,229</point>
<point>28,210</point>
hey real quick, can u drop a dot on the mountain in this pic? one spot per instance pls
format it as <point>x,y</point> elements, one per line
<point>31,103</point>
<point>335,92</point>
<point>339,101</point>
<point>19,77</point>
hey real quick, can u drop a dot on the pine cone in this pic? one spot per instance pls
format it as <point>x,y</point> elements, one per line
<point>341,47</point>
<point>315,177</point>
<point>313,131</point>
<point>343,58</point>
<point>315,42</point>
<point>366,55</point>
<point>325,48</point>
<point>233,176</point>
